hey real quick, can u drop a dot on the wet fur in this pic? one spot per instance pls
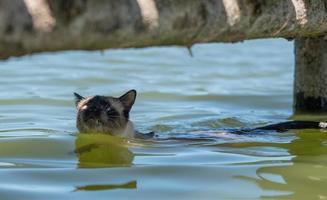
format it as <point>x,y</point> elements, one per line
<point>106,114</point>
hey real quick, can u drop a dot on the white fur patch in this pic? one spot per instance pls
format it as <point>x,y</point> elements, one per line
<point>84,107</point>
<point>323,124</point>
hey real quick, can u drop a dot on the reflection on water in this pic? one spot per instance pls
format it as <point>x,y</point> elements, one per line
<point>129,185</point>
<point>101,150</point>
<point>304,176</point>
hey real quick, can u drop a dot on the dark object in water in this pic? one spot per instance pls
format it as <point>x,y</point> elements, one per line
<point>288,125</point>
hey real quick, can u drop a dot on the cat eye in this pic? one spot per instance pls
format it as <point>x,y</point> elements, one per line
<point>112,112</point>
<point>109,110</point>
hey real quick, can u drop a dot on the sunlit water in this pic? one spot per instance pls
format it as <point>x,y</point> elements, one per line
<point>191,104</point>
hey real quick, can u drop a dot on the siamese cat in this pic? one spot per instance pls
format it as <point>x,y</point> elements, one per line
<point>110,115</point>
<point>107,114</point>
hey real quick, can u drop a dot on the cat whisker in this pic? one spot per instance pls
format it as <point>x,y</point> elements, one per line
<point>114,122</point>
<point>114,117</point>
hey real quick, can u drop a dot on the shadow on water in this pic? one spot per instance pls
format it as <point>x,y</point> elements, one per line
<point>307,168</point>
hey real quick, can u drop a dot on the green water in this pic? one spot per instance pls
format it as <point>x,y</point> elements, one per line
<point>190,103</point>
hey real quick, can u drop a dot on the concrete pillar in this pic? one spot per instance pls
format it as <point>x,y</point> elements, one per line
<point>310,83</point>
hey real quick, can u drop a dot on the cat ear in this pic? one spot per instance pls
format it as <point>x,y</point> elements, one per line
<point>78,98</point>
<point>128,99</point>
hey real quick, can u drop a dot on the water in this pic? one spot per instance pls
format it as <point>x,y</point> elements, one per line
<point>191,103</point>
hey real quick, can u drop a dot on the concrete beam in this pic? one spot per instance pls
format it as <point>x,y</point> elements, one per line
<point>29,26</point>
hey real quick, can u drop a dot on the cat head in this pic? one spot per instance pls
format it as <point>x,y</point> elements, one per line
<point>104,114</point>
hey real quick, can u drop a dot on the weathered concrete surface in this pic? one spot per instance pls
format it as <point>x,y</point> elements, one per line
<point>310,85</point>
<point>28,26</point>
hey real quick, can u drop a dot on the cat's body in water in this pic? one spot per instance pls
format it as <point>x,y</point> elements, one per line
<point>107,114</point>
<point>110,115</point>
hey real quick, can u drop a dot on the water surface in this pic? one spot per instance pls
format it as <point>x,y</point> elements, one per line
<point>191,103</point>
